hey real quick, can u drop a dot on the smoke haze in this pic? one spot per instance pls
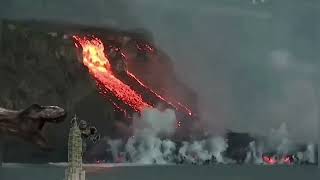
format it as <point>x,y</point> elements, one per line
<point>254,66</point>
<point>152,143</point>
<point>146,146</point>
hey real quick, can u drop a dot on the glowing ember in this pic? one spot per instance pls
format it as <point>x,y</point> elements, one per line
<point>269,160</point>
<point>100,68</point>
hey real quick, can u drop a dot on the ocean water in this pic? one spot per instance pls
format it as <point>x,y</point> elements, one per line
<point>167,172</point>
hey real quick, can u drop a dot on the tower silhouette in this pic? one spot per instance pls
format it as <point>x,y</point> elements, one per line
<point>75,170</point>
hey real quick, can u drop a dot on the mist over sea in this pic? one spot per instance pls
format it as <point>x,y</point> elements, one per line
<point>167,172</point>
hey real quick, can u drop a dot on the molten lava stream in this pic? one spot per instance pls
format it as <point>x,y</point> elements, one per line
<point>118,104</point>
<point>176,105</point>
<point>128,90</point>
<point>100,68</point>
<point>152,96</point>
<point>149,95</point>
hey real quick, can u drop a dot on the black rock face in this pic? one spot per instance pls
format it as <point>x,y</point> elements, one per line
<point>39,65</point>
<point>238,145</point>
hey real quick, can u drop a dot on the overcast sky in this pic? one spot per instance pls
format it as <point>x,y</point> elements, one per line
<point>253,65</point>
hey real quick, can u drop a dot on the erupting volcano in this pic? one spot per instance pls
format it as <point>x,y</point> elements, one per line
<point>129,91</point>
<point>126,92</point>
<point>100,68</point>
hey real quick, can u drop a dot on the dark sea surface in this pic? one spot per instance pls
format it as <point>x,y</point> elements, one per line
<point>188,172</point>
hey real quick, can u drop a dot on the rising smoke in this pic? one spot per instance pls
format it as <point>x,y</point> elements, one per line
<point>209,41</point>
<point>206,43</point>
<point>151,143</point>
<point>280,143</point>
<point>250,73</point>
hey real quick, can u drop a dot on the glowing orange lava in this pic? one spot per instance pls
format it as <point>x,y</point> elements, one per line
<point>100,68</point>
<point>175,105</point>
<point>269,160</point>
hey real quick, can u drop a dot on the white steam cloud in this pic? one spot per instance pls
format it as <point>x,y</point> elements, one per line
<point>155,122</point>
<point>150,144</point>
<point>280,143</point>
<point>147,147</point>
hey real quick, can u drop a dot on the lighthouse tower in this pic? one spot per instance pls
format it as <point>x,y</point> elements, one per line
<point>75,170</point>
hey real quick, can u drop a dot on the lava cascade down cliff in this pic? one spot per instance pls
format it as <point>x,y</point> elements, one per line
<point>115,71</point>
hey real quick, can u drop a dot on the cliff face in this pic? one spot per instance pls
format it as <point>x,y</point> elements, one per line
<point>40,66</point>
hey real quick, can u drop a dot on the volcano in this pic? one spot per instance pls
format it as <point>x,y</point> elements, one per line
<point>129,71</point>
<point>120,75</point>
<point>120,68</point>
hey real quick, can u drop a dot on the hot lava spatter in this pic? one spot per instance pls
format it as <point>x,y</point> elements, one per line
<point>99,67</point>
<point>130,92</point>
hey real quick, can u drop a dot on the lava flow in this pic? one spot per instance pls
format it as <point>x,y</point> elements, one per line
<point>129,91</point>
<point>100,68</point>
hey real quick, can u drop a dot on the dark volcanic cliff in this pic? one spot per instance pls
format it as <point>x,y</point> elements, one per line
<point>39,64</point>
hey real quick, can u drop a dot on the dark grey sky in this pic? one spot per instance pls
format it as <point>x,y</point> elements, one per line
<point>254,66</point>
